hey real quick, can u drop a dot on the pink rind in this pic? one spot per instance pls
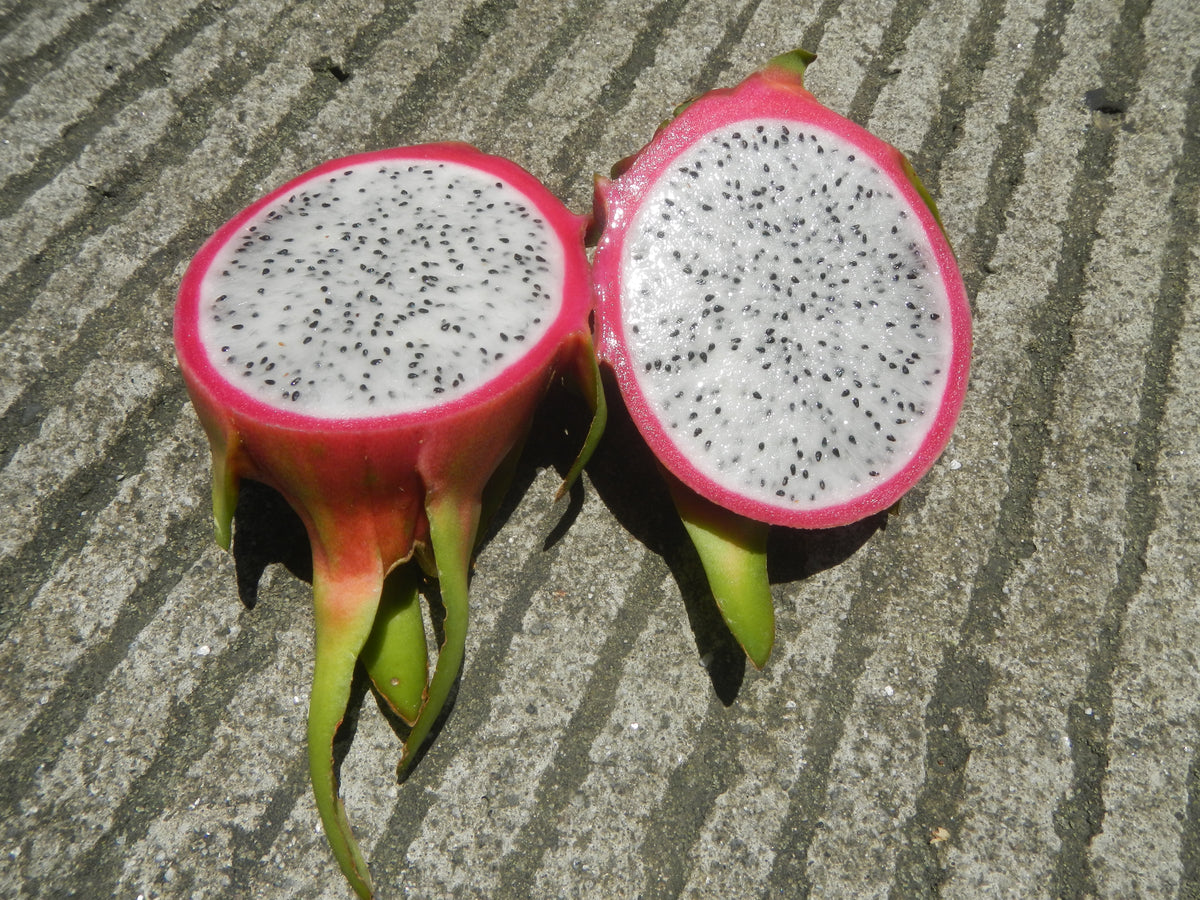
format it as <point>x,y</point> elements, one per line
<point>775,95</point>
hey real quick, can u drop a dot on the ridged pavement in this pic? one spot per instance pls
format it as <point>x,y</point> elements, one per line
<point>994,694</point>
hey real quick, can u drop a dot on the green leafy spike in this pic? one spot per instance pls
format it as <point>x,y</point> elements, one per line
<point>344,609</point>
<point>395,655</point>
<point>453,522</point>
<point>795,62</point>
<point>733,552</point>
<point>587,374</point>
<point>224,494</point>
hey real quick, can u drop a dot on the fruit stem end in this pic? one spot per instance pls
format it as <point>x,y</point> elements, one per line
<point>793,63</point>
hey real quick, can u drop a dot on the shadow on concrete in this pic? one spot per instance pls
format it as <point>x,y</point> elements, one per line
<point>266,531</point>
<point>626,477</point>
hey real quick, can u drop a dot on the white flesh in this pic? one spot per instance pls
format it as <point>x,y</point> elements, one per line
<point>793,337</point>
<point>382,289</point>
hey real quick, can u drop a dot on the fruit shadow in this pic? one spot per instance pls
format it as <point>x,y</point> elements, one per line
<point>627,478</point>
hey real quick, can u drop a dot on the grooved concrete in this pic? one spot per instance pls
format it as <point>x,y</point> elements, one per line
<point>994,696</point>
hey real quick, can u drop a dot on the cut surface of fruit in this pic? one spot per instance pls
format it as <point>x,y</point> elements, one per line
<point>381,287</point>
<point>782,309</point>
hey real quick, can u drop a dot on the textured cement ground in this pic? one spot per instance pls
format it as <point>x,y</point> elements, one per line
<point>995,695</point>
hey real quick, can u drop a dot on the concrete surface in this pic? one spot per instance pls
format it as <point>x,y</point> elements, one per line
<point>995,695</point>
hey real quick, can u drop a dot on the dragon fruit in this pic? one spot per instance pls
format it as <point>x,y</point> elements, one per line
<point>785,320</point>
<point>371,340</point>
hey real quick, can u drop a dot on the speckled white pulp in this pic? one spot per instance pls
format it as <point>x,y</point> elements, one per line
<point>382,289</point>
<point>784,315</point>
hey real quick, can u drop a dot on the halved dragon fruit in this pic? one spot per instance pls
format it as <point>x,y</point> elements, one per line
<point>785,319</point>
<point>371,340</point>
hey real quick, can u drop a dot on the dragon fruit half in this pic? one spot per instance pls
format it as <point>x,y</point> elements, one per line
<point>785,319</point>
<point>371,340</point>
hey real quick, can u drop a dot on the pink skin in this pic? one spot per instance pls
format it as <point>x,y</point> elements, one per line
<point>372,492</point>
<point>775,92</point>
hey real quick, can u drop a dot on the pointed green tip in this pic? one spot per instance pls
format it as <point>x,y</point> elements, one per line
<point>733,553</point>
<point>757,641</point>
<point>395,655</point>
<point>223,534</point>
<point>224,496</point>
<point>735,560</point>
<point>453,525</point>
<point>793,62</point>
<point>601,184</point>
<point>344,610</point>
<point>738,578</point>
